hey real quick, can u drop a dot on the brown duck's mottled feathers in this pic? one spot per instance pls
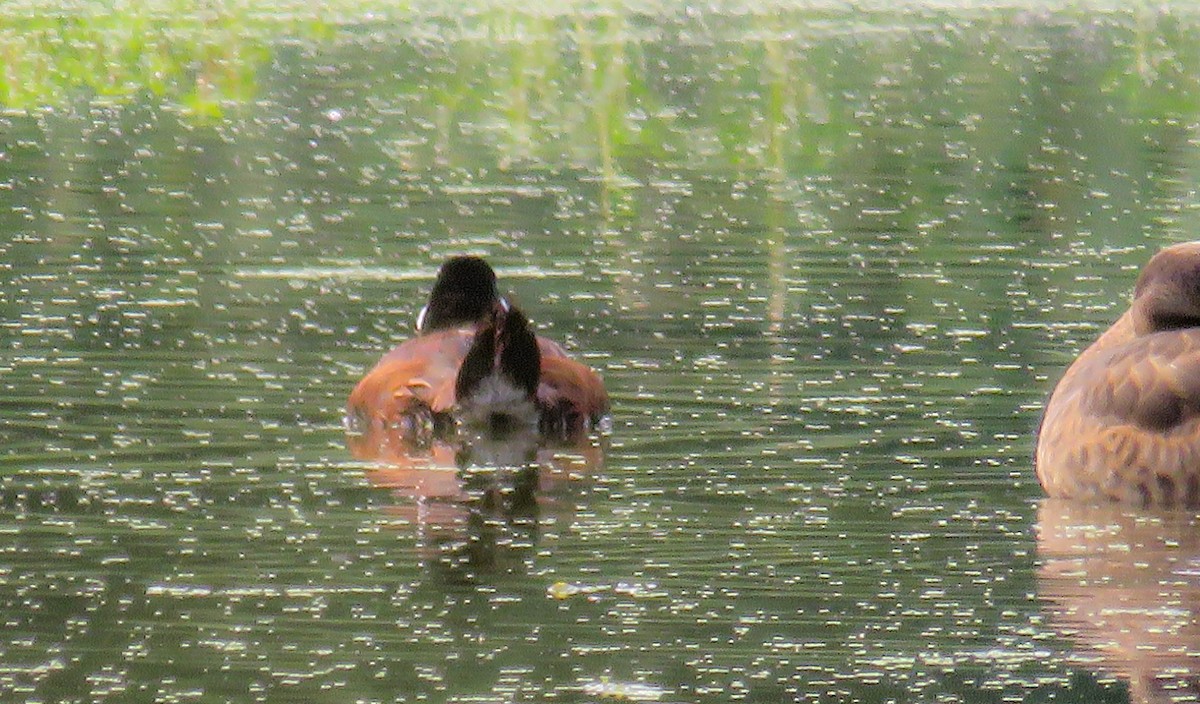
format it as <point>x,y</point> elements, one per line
<point>1128,426</point>
<point>1123,424</point>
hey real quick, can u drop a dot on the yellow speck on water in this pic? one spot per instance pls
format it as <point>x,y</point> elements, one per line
<point>565,590</point>
<point>606,688</point>
<point>562,590</point>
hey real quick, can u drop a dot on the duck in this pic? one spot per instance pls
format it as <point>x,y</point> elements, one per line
<point>1123,422</point>
<point>475,364</point>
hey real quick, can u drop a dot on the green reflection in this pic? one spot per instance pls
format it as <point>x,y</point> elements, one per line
<point>199,56</point>
<point>597,85</point>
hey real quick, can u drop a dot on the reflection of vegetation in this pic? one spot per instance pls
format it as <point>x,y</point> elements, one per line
<point>198,55</point>
<point>764,86</point>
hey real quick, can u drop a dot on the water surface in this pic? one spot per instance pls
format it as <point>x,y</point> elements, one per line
<point>829,260</point>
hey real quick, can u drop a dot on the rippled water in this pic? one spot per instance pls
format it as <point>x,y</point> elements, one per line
<point>828,262</point>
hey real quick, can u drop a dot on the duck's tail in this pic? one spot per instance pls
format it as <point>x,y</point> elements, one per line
<point>496,387</point>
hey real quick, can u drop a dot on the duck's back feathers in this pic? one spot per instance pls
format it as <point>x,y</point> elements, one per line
<point>571,395</point>
<point>420,376</point>
<point>416,376</point>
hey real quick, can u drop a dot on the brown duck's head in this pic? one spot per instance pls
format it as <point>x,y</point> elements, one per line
<point>1167,294</point>
<point>465,292</point>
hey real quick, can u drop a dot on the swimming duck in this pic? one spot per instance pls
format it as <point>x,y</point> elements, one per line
<point>1123,423</point>
<point>477,363</point>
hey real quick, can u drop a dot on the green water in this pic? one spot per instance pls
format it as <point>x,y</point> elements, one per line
<point>828,258</point>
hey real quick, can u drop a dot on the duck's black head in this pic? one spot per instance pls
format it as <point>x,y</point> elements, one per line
<point>465,292</point>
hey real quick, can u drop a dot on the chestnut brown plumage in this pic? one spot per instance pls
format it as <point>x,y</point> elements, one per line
<point>1123,423</point>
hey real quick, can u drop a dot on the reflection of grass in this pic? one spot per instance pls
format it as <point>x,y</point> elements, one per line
<point>198,55</point>
<point>595,84</point>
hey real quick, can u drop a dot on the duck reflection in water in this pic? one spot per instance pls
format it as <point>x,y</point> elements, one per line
<point>1124,585</point>
<point>1123,423</point>
<point>478,503</point>
<point>475,416</point>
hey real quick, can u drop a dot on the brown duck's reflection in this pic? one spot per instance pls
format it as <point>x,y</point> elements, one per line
<point>477,501</point>
<point>1124,585</point>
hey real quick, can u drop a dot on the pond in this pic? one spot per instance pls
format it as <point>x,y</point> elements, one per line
<point>829,259</point>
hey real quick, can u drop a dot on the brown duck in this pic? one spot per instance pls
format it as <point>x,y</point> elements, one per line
<point>1123,424</point>
<point>476,362</point>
